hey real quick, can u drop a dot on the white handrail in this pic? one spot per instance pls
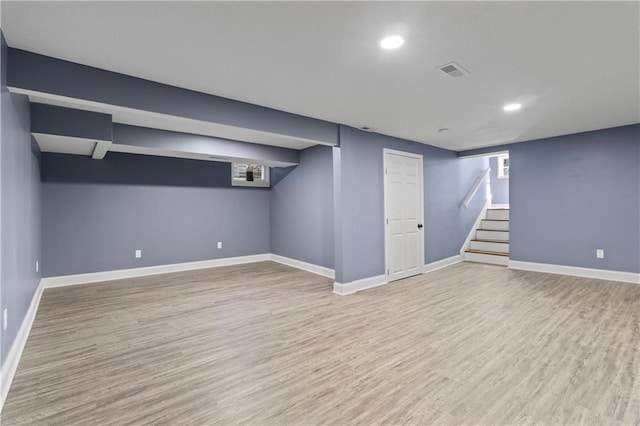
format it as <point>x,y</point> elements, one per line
<point>473,191</point>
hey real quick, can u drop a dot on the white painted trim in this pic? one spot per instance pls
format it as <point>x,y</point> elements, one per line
<point>420,159</point>
<point>499,206</point>
<point>475,226</point>
<point>599,274</point>
<point>443,263</point>
<point>93,277</point>
<point>66,280</point>
<point>73,138</point>
<point>344,289</point>
<point>13,358</point>
<point>100,150</point>
<point>309,267</point>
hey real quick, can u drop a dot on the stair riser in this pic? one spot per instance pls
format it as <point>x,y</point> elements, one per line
<point>486,258</point>
<point>498,214</point>
<point>495,225</point>
<point>492,235</point>
<point>497,247</point>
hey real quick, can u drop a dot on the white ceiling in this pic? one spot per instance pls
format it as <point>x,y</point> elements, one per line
<point>574,66</point>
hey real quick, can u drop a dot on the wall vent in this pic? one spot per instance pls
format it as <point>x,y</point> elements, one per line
<point>454,70</point>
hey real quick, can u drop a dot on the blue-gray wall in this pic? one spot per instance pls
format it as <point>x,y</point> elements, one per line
<point>21,212</point>
<point>571,195</point>
<point>302,210</point>
<point>447,180</point>
<point>96,213</point>
<point>499,187</point>
<point>146,138</point>
<point>133,169</point>
<point>60,121</point>
<point>45,74</point>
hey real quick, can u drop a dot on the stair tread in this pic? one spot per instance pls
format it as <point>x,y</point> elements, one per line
<point>494,253</point>
<point>492,230</point>
<point>499,208</point>
<point>498,220</point>
<point>484,240</point>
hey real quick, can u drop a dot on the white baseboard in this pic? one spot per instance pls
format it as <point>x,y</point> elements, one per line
<point>94,277</point>
<point>344,289</point>
<point>13,358</point>
<point>476,225</point>
<point>443,263</point>
<point>309,267</point>
<point>600,274</point>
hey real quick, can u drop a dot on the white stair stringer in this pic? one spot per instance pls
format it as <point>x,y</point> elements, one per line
<point>491,242</point>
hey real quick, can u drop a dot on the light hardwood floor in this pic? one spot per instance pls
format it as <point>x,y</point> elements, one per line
<point>266,344</point>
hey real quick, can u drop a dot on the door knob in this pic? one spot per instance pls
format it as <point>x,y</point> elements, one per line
<point>419,226</point>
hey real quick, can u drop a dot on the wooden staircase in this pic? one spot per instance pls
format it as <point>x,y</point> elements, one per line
<point>491,244</point>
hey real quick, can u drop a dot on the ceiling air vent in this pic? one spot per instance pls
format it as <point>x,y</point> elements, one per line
<point>454,70</point>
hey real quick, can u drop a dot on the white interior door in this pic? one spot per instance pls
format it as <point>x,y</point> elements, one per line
<point>404,237</point>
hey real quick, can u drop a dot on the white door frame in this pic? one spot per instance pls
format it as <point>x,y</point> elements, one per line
<point>386,151</point>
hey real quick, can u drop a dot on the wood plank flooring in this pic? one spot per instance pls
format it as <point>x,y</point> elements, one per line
<point>265,344</point>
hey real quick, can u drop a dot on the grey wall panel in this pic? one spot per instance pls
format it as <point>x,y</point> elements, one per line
<point>279,173</point>
<point>54,120</point>
<point>574,194</point>
<point>21,210</point>
<point>447,180</point>
<point>118,168</point>
<point>98,227</point>
<point>302,210</point>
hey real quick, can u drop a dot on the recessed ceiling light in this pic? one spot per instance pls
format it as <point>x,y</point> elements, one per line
<point>391,42</point>
<point>443,130</point>
<point>512,107</point>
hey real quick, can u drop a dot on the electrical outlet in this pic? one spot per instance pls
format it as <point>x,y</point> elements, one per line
<point>138,254</point>
<point>37,266</point>
<point>219,244</point>
<point>5,319</point>
<point>600,253</point>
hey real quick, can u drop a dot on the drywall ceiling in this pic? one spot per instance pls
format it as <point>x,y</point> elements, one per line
<point>574,66</point>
